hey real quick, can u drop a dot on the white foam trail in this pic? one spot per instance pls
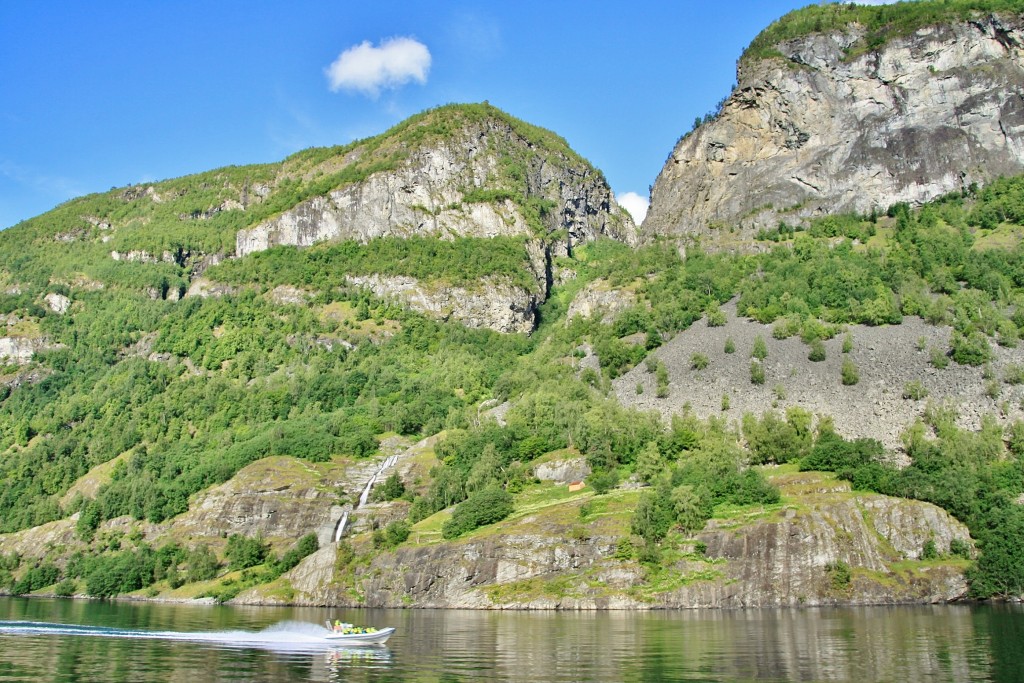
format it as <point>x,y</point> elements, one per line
<point>288,636</point>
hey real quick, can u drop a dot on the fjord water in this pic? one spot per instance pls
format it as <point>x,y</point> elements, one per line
<point>55,640</point>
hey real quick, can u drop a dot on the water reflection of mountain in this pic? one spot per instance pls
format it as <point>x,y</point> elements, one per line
<point>873,643</point>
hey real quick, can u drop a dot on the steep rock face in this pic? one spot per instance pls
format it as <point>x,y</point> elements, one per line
<point>431,193</point>
<point>815,132</point>
<point>496,305</point>
<point>780,558</point>
<point>486,178</point>
<point>278,498</point>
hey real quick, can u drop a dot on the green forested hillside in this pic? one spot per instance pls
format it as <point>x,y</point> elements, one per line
<point>188,392</point>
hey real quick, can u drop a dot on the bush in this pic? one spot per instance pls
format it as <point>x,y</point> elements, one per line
<point>392,489</point>
<point>817,353</point>
<point>756,373</point>
<point>244,552</point>
<point>938,358</point>
<point>730,345</point>
<point>483,507</point>
<point>652,517</point>
<point>661,376</point>
<point>35,578</point>
<point>960,548</point>
<point>603,481</point>
<point>716,317</point>
<point>849,373</point>
<point>773,440</point>
<point>971,349</point>
<point>202,564</point>
<point>307,545</point>
<point>396,533</point>
<point>123,572</point>
<point>751,488</point>
<point>64,589</point>
<point>760,350</point>
<point>839,574</point>
<point>992,389</point>
<point>1014,374</point>
<point>698,361</point>
<point>914,390</point>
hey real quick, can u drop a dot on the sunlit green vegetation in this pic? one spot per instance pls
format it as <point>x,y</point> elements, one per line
<point>881,23</point>
<point>462,262</point>
<point>184,394</point>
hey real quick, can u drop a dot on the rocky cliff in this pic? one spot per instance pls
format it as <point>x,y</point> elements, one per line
<point>824,125</point>
<point>822,546</point>
<point>481,176</point>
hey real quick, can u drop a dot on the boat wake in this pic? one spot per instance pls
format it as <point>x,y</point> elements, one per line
<point>286,636</point>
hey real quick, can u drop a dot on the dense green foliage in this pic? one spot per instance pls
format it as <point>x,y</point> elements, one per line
<point>464,262</point>
<point>175,397</point>
<point>391,489</point>
<point>966,473</point>
<point>264,388</point>
<point>244,552</point>
<point>486,506</point>
<point>880,23</point>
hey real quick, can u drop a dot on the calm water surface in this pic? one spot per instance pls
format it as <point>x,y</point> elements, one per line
<point>63,640</point>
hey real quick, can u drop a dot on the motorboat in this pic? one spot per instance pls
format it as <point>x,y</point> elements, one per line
<point>348,634</point>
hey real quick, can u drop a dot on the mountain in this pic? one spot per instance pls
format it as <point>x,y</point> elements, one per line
<point>438,368</point>
<point>845,108</point>
<point>468,174</point>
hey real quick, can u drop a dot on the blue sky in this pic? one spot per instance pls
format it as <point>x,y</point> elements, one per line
<point>102,94</point>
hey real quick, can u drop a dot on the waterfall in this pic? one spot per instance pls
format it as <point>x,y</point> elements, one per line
<point>365,495</point>
<point>341,526</point>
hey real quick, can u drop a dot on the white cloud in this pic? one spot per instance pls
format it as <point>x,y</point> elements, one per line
<point>368,69</point>
<point>635,204</point>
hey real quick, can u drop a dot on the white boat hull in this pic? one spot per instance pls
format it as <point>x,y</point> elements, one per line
<point>375,638</point>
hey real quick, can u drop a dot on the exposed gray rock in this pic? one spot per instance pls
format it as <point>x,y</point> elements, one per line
<point>134,256</point>
<point>286,294</point>
<point>203,287</point>
<point>816,133</point>
<point>426,194</point>
<point>58,303</point>
<point>495,304</point>
<point>777,559</point>
<point>563,471</point>
<point>19,350</point>
<point>887,359</point>
<point>599,298</point>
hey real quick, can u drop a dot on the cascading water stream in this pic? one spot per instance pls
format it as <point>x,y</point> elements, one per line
<point>364,496</point>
